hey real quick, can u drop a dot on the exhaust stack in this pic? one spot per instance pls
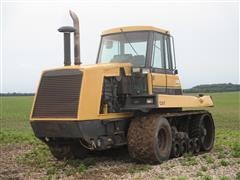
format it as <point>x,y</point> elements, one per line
<point>66,30</point>
<point>76,38</point>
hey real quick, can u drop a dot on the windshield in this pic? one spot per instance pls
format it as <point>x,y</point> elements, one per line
<point>125,47</point>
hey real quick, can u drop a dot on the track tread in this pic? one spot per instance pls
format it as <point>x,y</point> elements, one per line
<point>141,135</point>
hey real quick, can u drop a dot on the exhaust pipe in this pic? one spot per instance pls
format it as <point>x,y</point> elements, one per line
<point>76,38</point>
<point>66,30</point>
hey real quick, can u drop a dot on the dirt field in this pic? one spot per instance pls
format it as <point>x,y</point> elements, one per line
<point>116,165</point>
<point>25,157</point>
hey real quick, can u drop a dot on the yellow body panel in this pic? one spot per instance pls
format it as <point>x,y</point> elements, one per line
<point>150,86</point>
<point>109,69</point>
<point>163,80</point>
<point>134,29</point>
<point>178,101</point>
<point>91,90</point>
<point>92,85</point>
<point>91,93</point>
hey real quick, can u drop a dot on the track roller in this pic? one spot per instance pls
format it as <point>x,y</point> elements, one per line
<point>190,146</point>
<point>183,147</point>
<point>176,150</point>
<point>196,145</point>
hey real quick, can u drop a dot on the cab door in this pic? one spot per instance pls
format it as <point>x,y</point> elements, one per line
<point>159,78</point>
<point>164,77</point>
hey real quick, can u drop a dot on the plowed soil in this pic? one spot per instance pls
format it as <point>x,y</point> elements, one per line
<point>116,164</point>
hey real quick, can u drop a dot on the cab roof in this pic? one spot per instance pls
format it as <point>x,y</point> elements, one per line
<point>134,28</point>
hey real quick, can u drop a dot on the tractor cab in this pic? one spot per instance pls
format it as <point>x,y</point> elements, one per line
<point>142,46</point>
<point>148,49</point>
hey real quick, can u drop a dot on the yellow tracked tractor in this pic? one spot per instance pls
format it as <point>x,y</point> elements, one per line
<point>132,96</point>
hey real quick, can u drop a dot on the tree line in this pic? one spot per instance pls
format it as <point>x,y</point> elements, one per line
<point>16,94</point>
<point>209,88</point>
<point>204,88</point>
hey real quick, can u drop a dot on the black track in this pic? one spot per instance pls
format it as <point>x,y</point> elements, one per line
<point>141,132</point>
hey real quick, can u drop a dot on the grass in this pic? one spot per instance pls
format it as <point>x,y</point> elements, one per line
<point>9,137</point>
<point>199,174</point>
<point>204,168</point>
<point>238,176</point>
<point>226,115</point>
<point>236,150</point>
<point>224,178</point>
<point>221,155</point>
<point>182,178</point>
<point>15,113</point>
<point>226,110</point>
<point>139,168</point>
<point>224,162</point>
<point>15,128</point>
<point>189,161</point>
<point>208,158</point>
<point>36,157</point>
<point>207,177</point>
<point>14,120</point>
<point>40,157</point>
<point>160,177</point>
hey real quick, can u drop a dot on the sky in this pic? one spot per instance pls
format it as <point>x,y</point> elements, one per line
<point>206,36</point>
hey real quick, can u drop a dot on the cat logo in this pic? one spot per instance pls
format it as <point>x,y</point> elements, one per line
<point>161,103</point>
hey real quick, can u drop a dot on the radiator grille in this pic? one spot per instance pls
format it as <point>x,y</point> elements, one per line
<point>58,94</point>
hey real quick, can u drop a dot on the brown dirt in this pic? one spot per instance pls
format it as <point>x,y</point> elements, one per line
<point>116,164</point>
<point>9,167</point>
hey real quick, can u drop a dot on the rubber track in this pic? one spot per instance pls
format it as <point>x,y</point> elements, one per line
<point>141,134</point>
<point>140,138</point>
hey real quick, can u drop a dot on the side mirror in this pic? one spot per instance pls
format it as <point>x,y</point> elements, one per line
<point>175,71</point>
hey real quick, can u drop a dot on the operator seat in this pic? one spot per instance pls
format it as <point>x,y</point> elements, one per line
<point>138,61</point>
<point>122,58</point>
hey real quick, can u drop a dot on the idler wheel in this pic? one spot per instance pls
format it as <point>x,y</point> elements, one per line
<point>208,132</point>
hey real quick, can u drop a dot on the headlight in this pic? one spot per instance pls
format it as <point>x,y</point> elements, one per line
<point>149,100</point>
<point>145,71</point>
<point>136,70</point>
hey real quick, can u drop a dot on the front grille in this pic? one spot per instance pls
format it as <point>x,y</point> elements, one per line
<point>58,94</point>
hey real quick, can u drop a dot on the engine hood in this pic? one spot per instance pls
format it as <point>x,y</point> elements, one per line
<point>107,69</point>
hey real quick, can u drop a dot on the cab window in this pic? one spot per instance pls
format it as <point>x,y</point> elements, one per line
<point>158,51</point>
<point>124,47</point>
<point>168,56</point>
<point>162,53</point>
